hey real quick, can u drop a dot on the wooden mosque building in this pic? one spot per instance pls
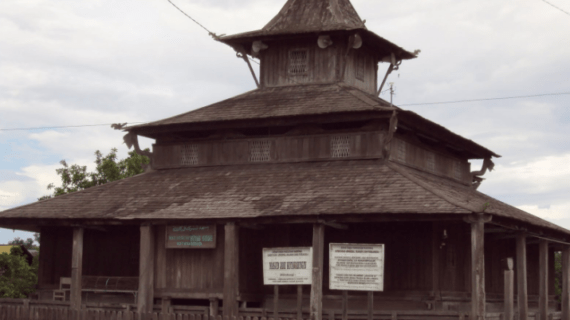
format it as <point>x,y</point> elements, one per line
<point>310,158</point>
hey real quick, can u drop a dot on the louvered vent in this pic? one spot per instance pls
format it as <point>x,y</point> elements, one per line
<point>340,146</point>
<point>260,151</point>
<point>298,61</point>
<point>359,72</point>
<point>189,154</point>
<point>430,162</point>
<point>401,151</point>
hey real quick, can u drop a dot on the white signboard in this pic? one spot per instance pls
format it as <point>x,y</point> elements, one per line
<point>356,266</point>
<point>287,266</point>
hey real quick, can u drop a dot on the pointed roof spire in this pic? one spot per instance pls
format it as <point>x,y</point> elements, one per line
<point>315,15</point>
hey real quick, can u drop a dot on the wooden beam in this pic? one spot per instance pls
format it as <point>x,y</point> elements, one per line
<point>543,279</point>
<point>566,283</point>
<point>231,265</point>
<point>316,308</point>
<point>522,292</point>
<point>477,268</point>
<point>509,294</point>
<point>76,269</point>
<point>435,254</point>
<point>299,302</point>
<point>145,295</point>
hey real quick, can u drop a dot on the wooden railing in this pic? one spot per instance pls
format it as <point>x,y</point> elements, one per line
<point>21,309</point>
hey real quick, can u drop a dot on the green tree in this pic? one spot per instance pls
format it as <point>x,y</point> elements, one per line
<point>17,277</point>
<point>28,243</point>
<point>108,168</point>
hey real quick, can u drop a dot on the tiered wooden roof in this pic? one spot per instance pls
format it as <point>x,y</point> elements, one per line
<point>299,103</point>
<point>365,188</point>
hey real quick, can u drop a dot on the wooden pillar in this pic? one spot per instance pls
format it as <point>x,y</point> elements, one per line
<point>145,294</point>
<point>509,292</point>
<point>76,269</point>
<point>231,267</point>
<point>478,268</point>
<point>543,279</point>
<point>566,283</point>
<point>522,293</point>
<point>214,306</point>
<point>435,265</point>
<point>316,308</point>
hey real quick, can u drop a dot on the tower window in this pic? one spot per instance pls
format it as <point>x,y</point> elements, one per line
<point>298,61</point>
<point>189,154</point>
<point>340,146</point>
<point>359,67</point>
<point>260,150</point>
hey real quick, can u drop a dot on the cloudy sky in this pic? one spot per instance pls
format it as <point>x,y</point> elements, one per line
<point>83,63</point>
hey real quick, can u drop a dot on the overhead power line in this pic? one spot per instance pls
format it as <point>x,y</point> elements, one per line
<point>484,99</point>
<point>61,127</point>
<point>198,23</point>
<point>568,13</point>
<point>400,105</point>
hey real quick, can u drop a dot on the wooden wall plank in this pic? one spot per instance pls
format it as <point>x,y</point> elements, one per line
<point>145,293</point>
<point>316,302</point>
<point>231,273</point>
<point>76,269</point>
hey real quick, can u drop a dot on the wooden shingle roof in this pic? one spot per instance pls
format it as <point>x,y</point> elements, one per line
<point>302,101</point>
<point>316,17</point>
<point>271,190</point>
<point>284,101</point>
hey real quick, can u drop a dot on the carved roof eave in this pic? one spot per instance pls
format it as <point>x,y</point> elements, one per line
<point>376,42</point>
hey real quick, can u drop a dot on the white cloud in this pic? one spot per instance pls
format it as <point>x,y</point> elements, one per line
<point>537,176</point>
<point>551,213</point>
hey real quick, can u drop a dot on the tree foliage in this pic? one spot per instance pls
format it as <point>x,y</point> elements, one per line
<point>17,277</point>
<point>28,243</point>
<point>75,177</point>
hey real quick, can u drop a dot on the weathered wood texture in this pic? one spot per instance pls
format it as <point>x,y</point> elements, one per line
<point>145,294</point>
<point>521,272</point>
<point>316,302</point>
<point>478,296</point>
<point>76,268</point>
<point>282,149</point>
<point>112,251</point>
<point>231,265</point>
<point>55,260</point>
<point>509,291</point>
<point>360,70</point>
<point>189,273</point>
<point>16,310</point>
<point>429,160</point>
<point>543,279</point>
<point>322,64</point>
<point>453,254</point>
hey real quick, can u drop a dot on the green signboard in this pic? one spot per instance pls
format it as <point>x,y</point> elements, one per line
<point>191,236</point>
